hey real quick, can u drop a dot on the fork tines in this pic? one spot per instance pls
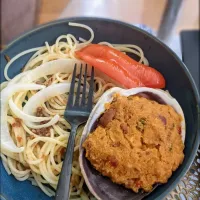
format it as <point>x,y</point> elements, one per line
<point>79,101</point>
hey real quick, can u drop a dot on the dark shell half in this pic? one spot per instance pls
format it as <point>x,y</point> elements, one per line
<point>100,186</point>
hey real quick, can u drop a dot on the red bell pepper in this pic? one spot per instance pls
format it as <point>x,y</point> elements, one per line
<point>121,67</point>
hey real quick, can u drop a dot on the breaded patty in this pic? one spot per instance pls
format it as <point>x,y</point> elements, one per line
<point>137,143</point>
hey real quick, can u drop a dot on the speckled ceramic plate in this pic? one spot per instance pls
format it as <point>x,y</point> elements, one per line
<point>179,83</point>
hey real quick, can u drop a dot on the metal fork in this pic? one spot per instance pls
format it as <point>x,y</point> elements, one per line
<point>76,113</point>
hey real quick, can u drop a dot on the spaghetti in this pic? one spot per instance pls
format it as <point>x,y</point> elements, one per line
<point>40,128</point>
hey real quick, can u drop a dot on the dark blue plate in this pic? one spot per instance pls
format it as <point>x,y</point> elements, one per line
<point>179,83</point>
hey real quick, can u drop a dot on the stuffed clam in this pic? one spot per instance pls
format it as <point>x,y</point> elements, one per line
<point>134,139</point>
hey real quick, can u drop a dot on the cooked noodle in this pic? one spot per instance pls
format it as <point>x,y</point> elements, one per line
<point>41,160</point>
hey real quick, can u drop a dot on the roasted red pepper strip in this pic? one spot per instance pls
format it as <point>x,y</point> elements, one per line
<point>117,65</point>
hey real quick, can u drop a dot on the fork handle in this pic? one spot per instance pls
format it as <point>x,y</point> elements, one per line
<point>63,187</point>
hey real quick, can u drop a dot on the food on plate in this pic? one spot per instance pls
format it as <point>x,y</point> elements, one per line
<point>138,139</point>
<point>121,67</point>
<point>34,133</point>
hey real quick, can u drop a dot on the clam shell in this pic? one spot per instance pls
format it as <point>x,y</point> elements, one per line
<point>102,187</point>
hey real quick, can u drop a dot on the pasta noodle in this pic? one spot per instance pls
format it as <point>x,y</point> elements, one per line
<point>44,148</point>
